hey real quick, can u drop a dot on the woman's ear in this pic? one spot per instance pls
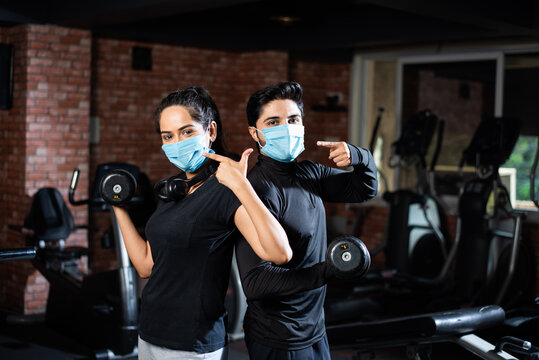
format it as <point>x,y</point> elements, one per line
<point>213,131</point>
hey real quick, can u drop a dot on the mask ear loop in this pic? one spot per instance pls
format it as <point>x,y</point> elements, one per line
<point>258,139</point>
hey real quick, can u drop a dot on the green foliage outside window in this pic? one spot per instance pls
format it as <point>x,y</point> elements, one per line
<point>522,160</point>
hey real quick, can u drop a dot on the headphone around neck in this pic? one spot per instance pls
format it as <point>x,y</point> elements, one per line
<point>177,187</point>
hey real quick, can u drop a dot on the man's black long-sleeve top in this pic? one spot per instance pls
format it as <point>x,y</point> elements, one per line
<point>285,303</point>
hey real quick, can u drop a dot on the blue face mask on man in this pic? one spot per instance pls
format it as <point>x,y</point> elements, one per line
<point>284,142</point>
<point>187,154</point>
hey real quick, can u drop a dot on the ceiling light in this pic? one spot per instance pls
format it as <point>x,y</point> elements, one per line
<point>285,20</point>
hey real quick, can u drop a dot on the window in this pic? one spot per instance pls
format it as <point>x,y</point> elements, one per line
<point>461,88</point>
<point>521,87</point>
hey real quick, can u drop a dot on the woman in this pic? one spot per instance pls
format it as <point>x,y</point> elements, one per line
<point>188,253</point>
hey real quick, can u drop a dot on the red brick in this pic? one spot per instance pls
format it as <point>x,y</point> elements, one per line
<point>70,40</point>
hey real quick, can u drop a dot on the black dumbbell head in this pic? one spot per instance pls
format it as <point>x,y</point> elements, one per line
<point>348,257</point>
<point>118,187</point>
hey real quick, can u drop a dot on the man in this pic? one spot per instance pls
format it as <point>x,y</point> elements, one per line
<point>285,316</point>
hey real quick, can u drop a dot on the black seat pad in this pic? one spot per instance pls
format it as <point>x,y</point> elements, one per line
<point>426,326</point>
<point>67,253</point>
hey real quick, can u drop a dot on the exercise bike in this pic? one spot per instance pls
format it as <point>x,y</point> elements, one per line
<point>100,309</point>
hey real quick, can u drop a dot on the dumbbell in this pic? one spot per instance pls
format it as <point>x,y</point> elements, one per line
<point>348,258</point>
<point>118,187</point>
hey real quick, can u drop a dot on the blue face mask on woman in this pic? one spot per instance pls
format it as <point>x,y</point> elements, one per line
<point>284,142</point>
<point>187,154</point>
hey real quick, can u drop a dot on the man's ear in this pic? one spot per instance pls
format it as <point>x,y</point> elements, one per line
<point>253,133</point>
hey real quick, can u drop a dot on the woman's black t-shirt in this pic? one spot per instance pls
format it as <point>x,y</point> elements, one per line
<point>182,304</point>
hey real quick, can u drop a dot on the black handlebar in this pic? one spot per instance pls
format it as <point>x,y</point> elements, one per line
<point>17,254</point>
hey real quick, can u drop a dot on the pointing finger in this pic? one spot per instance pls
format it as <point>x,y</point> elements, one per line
<point>215,157</point>
<point>326,144</point>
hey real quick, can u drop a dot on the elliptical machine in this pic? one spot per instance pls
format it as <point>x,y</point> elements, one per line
<point>100,309</point>
<point>492,265</point>
<point>414,242</point>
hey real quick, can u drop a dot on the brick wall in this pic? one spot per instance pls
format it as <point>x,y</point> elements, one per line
<point>13,276</point>
<point>319,78</point>
<point>47,137</point>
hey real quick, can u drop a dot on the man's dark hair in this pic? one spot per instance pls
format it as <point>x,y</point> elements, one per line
<point>200,106</point>
<point>281,91</point>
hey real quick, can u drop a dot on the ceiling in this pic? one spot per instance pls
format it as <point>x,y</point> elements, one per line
<point>339,26</point>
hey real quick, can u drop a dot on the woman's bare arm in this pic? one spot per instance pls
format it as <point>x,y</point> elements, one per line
<point>138,249</point>
<point>259,227</point>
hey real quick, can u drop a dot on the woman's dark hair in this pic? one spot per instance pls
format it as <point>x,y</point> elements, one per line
<point>200,106</point>
<point>281,91</point>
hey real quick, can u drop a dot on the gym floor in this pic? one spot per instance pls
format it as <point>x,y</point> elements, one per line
<point>24,340</point>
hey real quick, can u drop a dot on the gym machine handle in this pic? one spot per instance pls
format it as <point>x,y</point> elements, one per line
<point>439,140</point>
<point>17,254</point>
<point>512,341</point>
<point>72,187</point>
<point>375,130</point>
